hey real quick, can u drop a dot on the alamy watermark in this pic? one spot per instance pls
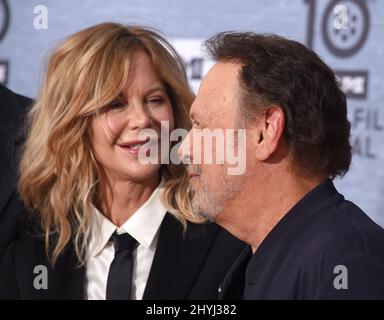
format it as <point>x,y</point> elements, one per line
<point>40,21</point>
<point>340,282</point>
<point>40,281</point>
<point>201,146</point>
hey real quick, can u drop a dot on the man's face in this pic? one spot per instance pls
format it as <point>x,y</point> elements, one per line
<point>216,107</point>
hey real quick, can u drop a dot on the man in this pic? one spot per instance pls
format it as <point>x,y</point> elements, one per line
<point>12,111</point>
<point>307,241</point>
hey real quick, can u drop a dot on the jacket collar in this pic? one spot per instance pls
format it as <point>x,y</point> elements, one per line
<point>178,259</point>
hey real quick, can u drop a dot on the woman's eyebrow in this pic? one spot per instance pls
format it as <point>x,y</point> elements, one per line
<point>122,96</point>
<point>154,89</point>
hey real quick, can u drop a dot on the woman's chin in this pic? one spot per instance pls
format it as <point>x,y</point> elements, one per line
<point>141,172</point>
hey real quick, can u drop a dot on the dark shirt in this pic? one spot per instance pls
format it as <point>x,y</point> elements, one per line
<point>325,247</point>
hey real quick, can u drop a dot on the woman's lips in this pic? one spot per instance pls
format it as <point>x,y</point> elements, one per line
<point>131,149</point>
<point>134,147</point>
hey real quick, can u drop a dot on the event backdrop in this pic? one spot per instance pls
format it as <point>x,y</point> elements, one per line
<point>347,34</point>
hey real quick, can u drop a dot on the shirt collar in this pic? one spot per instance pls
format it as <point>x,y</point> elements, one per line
<point>322,196</point>
<point>143,225</point>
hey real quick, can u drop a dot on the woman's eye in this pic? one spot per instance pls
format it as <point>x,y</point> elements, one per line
<point>116,105</point>
<point>155,101</point>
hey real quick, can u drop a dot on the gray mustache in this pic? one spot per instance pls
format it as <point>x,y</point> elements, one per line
<point>194,169</point>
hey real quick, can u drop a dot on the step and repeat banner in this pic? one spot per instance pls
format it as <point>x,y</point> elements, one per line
<point>347,34</point>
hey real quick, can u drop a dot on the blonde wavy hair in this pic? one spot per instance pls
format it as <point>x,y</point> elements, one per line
<point>59,173</point>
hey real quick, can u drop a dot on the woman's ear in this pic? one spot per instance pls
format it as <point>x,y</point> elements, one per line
<point>268,132</point>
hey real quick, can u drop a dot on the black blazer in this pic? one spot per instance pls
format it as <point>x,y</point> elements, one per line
<point>184,267</point>
<point>12,111</point>
<point>189,266</point>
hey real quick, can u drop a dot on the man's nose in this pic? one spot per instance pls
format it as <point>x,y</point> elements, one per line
<point>184,151</point>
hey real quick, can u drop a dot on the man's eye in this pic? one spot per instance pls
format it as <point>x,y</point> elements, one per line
<point>195,123</point>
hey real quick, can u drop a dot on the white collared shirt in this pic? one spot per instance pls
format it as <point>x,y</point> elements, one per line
<point>144,226</point>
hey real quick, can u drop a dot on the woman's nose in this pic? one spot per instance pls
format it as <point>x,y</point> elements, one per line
<point>139,117</point>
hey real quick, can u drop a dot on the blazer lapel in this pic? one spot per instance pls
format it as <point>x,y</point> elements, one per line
<point>179,257</point>
<point>6,187</point>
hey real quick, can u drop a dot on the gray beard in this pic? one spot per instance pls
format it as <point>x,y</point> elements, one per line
<point>208,211</point>
<point>208,204</point>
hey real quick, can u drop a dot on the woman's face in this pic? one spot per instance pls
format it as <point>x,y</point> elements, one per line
<point>115,131</point>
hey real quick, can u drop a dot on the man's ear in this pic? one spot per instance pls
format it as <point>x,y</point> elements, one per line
<point>269,130</point>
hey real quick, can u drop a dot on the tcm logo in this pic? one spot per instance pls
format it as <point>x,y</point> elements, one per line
<point>353,83</point>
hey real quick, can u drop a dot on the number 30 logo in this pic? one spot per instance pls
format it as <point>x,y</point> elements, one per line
<point>344,26</point>
<point>4,18</point>
<point>345,42</point>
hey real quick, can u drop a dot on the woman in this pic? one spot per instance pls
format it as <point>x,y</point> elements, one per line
<point>87,192</point>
